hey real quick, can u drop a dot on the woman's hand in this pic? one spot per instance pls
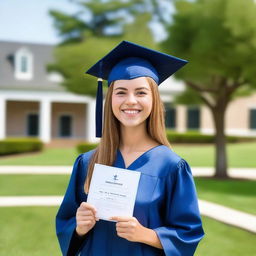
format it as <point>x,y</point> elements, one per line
<point>85,218</point>
<point>129,228</point>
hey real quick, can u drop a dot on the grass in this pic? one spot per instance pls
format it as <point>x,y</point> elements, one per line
<point>30,231</point>
<point>240,155</point>
<point>237,194</point>
<point>50,156</point>
<point>223,240</point>
<point>29,185</point>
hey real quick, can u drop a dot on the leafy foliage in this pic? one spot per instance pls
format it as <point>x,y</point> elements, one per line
<point>94,18</point>
<point>218,38</point>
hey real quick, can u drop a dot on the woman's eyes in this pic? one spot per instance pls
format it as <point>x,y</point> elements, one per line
<point>141,93</point>
<point>121,92</point>
<point>137,93</point>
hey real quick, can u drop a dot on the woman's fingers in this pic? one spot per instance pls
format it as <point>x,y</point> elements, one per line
<point>85,213</point>
<point>87,206</point>
<point>86,210</point>
<point>79,217</point>
<point>86,222</point>
<point>85,218</point>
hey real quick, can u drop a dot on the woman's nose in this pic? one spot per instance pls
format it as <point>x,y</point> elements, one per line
<point>131,99</point>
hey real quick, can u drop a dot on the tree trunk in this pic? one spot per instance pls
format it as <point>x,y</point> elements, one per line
<point>220,141</point>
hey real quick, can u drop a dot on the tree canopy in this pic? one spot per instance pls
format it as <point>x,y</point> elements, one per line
<point>73,59</point>
<point>218,39</point>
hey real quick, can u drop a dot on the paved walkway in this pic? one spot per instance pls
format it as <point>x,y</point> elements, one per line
<point>228,215</point>
<point>246,173</point>
<point>221,213</point>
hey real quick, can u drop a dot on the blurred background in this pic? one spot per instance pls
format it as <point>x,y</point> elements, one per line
<point>47,107</point>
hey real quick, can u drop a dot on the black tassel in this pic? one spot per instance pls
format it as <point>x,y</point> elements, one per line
<point>98,113</point>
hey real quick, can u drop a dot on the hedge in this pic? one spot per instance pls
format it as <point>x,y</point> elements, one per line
<point>196,137</point>
<point>20,145</point>
<point>85,146</point>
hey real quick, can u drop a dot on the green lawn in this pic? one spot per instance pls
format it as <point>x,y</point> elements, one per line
<point>223,240</point>
<point>50,156</point>
<point>240,155</point>
<point>30,231</point>
<point>240,195</point>
<point>29,185</point>
<point>237,194</point>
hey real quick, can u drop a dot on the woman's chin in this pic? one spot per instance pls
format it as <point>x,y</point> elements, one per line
<point>132,124</point>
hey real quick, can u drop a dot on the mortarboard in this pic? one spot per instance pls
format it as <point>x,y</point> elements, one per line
<point>128,61</point>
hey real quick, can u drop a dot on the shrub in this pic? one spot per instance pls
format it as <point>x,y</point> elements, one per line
<point>20,145</point>
<point>196,137</point>
<point>85,147</point>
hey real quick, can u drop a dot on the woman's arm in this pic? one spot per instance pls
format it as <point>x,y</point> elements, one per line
<point>149,237</point>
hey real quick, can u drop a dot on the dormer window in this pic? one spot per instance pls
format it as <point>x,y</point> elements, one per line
<point>23,64</point>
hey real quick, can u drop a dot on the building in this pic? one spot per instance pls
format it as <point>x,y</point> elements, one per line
<point>240,119</point>
<point>33,103</point>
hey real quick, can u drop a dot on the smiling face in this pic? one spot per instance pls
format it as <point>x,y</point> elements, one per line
<point>132,101</point>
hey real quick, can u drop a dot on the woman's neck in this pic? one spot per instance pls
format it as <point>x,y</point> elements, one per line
<point>135,139</point>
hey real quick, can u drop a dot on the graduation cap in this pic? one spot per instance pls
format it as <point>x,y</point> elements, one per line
<point>128,61</point>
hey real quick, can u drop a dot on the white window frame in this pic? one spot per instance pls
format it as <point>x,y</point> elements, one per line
<point>28,75</point>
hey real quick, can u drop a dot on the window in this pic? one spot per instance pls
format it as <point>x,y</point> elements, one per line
<point>252,118</point>
<point>32,125</point>
<point>65,126</point>
<point>170,117</point>
<point>193,118</point>
<point>23,64</point>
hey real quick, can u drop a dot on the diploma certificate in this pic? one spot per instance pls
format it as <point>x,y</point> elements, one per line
<point>113,191</point>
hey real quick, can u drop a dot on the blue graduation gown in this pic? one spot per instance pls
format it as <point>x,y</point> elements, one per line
<point>166,202</point>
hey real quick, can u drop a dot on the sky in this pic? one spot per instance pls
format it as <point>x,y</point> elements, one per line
<point>29,21</point>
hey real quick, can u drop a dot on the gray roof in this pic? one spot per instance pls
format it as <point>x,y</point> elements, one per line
<point>42,56</point>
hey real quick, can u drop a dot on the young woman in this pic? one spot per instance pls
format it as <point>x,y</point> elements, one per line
<point>166,219</point>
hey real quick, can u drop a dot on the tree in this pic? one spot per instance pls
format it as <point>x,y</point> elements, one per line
<point>94,17</point>
<point>77,54</point>
<point>218,38</point>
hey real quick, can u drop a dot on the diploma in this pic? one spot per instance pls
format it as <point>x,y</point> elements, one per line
<point>113,191</point>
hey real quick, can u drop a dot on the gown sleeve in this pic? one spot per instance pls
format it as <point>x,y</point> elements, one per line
<point>66,216</point>
<point>182,230</point>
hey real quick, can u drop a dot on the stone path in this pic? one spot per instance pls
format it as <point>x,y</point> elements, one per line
<point>221,213</point>
<point>14,201</point>
<point>246,173</point>
<point>228,215</point>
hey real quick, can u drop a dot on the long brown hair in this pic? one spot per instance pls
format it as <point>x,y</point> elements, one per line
<point>105,153</point>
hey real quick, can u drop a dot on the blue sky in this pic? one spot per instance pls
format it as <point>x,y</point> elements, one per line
<point>28,20</point>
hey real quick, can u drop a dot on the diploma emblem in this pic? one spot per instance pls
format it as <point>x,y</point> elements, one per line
<point>115,177</point>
